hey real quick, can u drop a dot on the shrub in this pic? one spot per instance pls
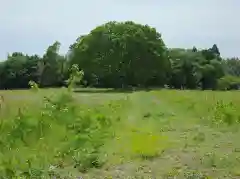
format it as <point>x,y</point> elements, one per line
<point>229,83</point>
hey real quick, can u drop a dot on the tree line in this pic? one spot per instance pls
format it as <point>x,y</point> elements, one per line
<point>122,55</point>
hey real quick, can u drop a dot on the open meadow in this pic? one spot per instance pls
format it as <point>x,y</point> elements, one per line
<point>120,134</point>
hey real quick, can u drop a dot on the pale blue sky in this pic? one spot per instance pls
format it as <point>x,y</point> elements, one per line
<point>30,26</point>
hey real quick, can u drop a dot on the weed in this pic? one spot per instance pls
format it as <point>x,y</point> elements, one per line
<point>199,137</point>
<point>210,160</point>
<point>49,132</point>
<point>76,76</point>
<point>33,86</point>
<point>225,113</point>
<point>55,134</point>
<point>174,173</point>
<point>142,143</point>
<point>195,175</point>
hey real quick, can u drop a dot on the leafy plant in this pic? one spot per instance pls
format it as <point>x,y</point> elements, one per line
<point>225,113</point>
<point>229,82</point>
<point>76,76</point>
<point>34,86</point>
<point>58,133</point>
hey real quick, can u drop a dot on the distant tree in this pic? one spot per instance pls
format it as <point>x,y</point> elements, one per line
<point>215,50</point>
<point>229,82</point>
<point>232,66</point>
<point>184,68</point>
<point>194,49</point>
<point>122,54</point>
<point>119,54</point>
<point>17,70</point>
<point>52,66</point>
<point>211,67</point>
<point>192,69</point>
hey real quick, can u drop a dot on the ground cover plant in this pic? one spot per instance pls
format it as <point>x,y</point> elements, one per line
<point>183,134</point>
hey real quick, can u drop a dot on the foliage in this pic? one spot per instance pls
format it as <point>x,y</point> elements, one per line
<point>118,54</point>
<point>225,113</point>
<point>229,82</point>
<point>39,143</point>
<point>232,66</point>
<point>52,66</point>
<point>33,85</point>
<point>121,55</point>
<point>18,70</point>
<point>121,134</point>
<point>194,68</point>
<point>76,76</point>
<point>152,147</point>
<point>185,68</point>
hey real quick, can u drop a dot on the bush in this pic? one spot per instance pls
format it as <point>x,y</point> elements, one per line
<point>229,83</point>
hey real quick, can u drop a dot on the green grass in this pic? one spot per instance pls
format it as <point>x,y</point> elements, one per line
<point>109,134</point>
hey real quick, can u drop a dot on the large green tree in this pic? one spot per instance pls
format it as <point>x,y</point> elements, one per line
<point>192,68</point>
<point>118,54</point>
<point>18,70</point>
<point>185,71</point>
<point>52,66</point>
<point>211,67</point>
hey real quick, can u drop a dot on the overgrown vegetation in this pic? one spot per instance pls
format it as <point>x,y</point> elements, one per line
<point>71,132</point>
<point>39,143</point>
<point>121,55</point>
<point>56,135</point>
<point>98,135</point>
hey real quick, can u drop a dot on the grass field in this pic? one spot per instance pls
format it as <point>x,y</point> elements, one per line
<point>109,134</point>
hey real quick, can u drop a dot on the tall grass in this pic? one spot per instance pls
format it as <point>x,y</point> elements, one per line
<point>64,136</point>
<point>58,134</point>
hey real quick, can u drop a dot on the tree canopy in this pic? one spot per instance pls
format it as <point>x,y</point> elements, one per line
<point>123,54</point>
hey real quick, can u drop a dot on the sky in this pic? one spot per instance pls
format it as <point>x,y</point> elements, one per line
<point>30,26</point>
